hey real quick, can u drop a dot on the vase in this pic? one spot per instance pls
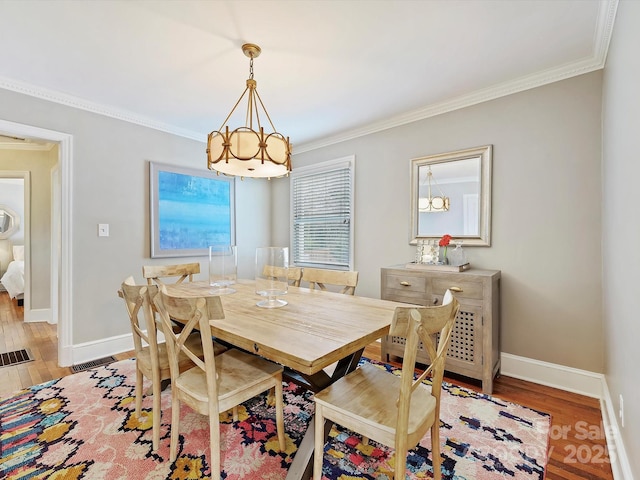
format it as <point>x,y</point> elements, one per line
<point>223,268</point>
<point>272,275</point>
<point>445,258</point>
<point>457,256</point>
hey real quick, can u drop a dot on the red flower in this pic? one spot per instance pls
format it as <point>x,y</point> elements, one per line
<point>444,241</point>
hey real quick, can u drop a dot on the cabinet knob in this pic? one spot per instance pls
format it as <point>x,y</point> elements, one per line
<point>405,284</point>
<point>455,289</point>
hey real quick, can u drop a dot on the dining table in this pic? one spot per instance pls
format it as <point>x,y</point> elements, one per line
<point>318,337</point>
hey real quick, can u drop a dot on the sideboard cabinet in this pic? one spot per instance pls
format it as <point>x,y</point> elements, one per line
<point>474,350</point>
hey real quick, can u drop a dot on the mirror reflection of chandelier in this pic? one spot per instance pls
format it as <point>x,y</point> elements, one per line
<point>249,151</point>
<point>438,203</point>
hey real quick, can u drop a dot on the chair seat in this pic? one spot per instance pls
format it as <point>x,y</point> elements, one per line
<point>236,371</point>
<point>359,398</point>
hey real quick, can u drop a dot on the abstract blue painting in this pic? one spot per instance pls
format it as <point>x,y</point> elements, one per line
<point>190,210</point>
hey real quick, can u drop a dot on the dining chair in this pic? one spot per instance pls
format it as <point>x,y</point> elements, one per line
<point>320,277</point>
<point>221,381</point>
<point>363,402</point>
<point>294,274</point>
<point>151,357</point>
<point>158,273</point>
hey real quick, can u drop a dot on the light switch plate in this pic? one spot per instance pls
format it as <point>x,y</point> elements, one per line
<point>103,229</point>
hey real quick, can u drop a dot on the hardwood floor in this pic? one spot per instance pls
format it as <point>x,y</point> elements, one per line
<point>577,440</point>
<point>40,338</point>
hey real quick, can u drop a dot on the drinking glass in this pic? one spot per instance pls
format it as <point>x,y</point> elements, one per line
<point>223,268</point>
<point>272,275</point>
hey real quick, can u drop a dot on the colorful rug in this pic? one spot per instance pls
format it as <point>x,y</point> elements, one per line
<point>83,426</point>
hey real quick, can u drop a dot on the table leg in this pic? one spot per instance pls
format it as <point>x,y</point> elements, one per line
<point>302,466</point>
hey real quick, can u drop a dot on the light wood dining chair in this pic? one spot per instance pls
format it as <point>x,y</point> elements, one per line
<point>151,357</point>
<point>320,277</point>
<point>159,273</point>
<point>294,274</point>
<point>362,401</point>
<point>221,381</point>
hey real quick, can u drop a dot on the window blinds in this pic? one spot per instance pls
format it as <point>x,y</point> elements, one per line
<point>322,209</point>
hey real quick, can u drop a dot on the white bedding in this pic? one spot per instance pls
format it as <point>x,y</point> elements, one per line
<point>13,278</point>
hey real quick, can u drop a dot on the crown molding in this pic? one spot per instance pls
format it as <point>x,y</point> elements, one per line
<point>602,37</point>
<point>108,111</point>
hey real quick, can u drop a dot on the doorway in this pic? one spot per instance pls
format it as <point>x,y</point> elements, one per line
<point>61,232</point>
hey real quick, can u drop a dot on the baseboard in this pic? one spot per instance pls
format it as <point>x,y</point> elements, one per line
<point>37,315</point>
<point>85,352</point>
<point>553,375</point>
<point>582,382</point>
<point>620,465</point>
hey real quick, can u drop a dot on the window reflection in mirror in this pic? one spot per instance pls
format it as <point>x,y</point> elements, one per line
<point>451,193</point>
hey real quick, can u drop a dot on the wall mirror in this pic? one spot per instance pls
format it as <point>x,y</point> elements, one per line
<point>451,193</point>
<point>9,222</point>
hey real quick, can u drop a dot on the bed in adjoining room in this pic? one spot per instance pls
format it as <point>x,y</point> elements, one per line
<point>13,278</point>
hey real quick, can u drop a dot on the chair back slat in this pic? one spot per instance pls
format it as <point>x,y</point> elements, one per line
<point>320,278</point>
<point>160,273</point>
<point>294,274</point>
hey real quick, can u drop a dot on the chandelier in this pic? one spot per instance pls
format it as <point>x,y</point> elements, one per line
<point>248,151</point>
<point>433,203</point>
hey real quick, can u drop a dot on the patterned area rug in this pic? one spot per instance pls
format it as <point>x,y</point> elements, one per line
<point>84,426</point>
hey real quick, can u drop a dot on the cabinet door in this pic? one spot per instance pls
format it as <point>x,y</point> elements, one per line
<point>465,350</point>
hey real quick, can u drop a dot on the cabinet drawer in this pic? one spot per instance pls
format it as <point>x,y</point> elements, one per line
<point>470,289</point>
<point>405,288</point>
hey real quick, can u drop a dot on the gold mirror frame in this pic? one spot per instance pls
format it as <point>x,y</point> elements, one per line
<point>419,228</point>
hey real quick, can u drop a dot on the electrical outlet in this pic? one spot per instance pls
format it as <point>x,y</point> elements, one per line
<point>621,411</point>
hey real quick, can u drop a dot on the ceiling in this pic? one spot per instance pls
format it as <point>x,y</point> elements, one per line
<point>329,70</point>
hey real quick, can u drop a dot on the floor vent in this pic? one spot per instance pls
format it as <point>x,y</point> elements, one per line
<point>92,364</point>
<point>15,357</point>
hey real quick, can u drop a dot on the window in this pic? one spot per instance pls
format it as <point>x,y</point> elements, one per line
<point>322,215</point>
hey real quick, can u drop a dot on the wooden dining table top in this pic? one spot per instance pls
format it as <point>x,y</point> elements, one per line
<point>315,329</point>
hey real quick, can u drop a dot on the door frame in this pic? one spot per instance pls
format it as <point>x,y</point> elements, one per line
<point>65,153</point>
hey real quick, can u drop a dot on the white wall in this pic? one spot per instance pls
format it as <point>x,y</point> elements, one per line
<point>621,223</point>
<point>110,184</point>
<point>546,219</point>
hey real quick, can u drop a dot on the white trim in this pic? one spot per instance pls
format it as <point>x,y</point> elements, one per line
<point>578,381</point>
<point>617,453</point>
<point>65,154</point>
<point>602,37</point>
<point>596,61</point>
<point>39,315</point>
<point>88,351</point>
<point>107,111</point>
<point>85,352</point>
<point>553,375</point>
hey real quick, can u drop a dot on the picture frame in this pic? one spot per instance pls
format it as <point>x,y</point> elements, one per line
<point>190,210</point>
